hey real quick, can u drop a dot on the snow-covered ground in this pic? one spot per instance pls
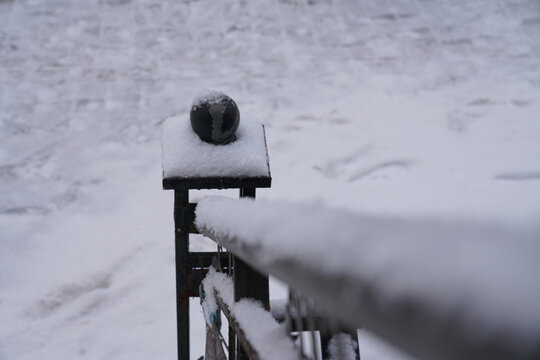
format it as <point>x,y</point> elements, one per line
<point>407,107</point>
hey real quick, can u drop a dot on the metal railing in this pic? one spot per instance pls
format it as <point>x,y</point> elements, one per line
<point>354,301</point>
<point>359,271</point>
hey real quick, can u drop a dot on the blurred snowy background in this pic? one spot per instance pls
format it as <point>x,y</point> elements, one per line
<point>405,107</point>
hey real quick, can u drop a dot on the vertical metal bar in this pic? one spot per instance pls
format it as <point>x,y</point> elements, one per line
<point>312,327</point>
<point>181,227</point>
<point>232,344</point>
<point>325,341</point>
<point>299,314</point>
<point>358,353</point>
<point>232,337</point>
<point>249,283</point>
<point>247,192</point>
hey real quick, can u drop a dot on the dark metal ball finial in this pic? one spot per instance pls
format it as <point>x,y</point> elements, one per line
<point>215,117</point>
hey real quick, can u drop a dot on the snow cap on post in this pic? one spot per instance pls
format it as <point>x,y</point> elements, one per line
<point>215,117</point>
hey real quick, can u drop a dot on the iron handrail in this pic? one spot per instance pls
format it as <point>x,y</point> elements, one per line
<point>355,302</point>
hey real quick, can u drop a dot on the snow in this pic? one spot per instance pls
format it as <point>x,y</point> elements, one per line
<point>480,273</point>
<point>185,155</point>
<point>207,96</point>
<point>394,107</point>
<point>267,337</point>
<point>342,347</point>
<point>278,308</point>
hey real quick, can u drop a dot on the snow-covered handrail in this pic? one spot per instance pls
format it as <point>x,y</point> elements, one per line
<point>258,332</point>
<point>440,290</point>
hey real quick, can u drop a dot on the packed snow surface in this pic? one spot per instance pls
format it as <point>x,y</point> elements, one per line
<point>388,107</point>
<point>267,337</point>
<point>484,274</point>
<point>185,155</point>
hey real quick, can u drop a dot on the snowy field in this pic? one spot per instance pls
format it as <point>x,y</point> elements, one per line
<point>386,107</point>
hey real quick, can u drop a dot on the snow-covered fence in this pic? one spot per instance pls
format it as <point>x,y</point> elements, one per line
<point>191,163</point>
<point>440,290</point>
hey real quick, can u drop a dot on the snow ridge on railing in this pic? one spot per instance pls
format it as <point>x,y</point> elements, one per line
<point>256,327</point>
<point>439,289</point>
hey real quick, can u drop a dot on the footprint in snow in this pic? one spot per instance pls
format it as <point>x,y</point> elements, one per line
<point>335,167</point>
<point>86,295</point>
<point>379,169</point>
<point>519,176</point>
<point>67,294</point>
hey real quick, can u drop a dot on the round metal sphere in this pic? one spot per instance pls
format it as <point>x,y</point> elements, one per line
<point>215,118</point>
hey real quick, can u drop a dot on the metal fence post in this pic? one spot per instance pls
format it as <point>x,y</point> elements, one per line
<point>249,283</point>
<point>192,267</point>
<point>181,231</point>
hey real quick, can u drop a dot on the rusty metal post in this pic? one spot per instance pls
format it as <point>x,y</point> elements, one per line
<point>181,227</point>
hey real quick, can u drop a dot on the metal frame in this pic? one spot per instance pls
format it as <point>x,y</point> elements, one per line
<point>192,267</point>
<point>179,183</point>
<point>182,219</point>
